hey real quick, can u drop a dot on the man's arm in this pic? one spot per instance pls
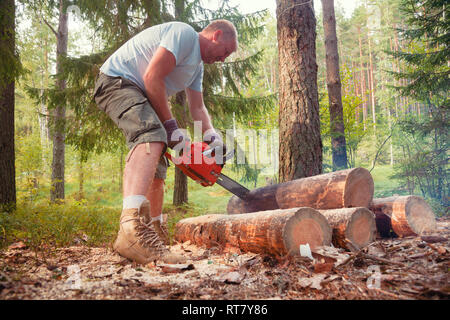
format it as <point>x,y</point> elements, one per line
<point>197,109</point>
<point>162,63</point>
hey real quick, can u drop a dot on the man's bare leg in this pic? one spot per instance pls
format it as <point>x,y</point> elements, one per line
<point>155,194</point>
<point>140,168</point>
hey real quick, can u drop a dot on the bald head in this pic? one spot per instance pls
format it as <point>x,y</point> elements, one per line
<point>227,28</point>
<point>217,41</point>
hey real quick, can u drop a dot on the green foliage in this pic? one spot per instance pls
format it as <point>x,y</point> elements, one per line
<point>353,125</point>
<point>51,225</point>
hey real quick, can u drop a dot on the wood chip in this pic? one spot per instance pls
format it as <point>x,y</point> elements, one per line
<point>175,268</point>
<point>433,239</point>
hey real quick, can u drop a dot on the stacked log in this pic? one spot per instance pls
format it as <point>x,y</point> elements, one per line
<point>276,219</point>
<point>340,189</point>
<point>277,232</point>
<point>352,227</point>
<point>405,215</point>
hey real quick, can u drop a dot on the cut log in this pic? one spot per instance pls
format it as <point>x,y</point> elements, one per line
<point>354,225</point>
<point>339,189</point>
<point>409,215</point>
<point>277,232</point>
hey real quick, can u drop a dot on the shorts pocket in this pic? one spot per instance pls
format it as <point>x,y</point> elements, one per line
<point>138,119</point>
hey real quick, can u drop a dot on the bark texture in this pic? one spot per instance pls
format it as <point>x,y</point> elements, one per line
<point>407,215</point>
<point>354,225</point>
<point>7,158</point>
<point>277,232</point>
<point>180,191</point>
<point>340,189</point>
<point>338,145</point>
<point>300,140</point>
<point>59,137</point>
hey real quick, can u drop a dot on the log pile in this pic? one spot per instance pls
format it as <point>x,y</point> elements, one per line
<point>277,232</point>
<point>405,215</point>
<point>336,207</point>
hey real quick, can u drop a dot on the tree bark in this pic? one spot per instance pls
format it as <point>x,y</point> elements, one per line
<point>340,189</point>
<point>405,215</point>
<point>372,85</point>
<point>59,114</point>
<point>354,225</point>
<point>300,141</point>
<point>277,232</point>
<point>338,145</point>
<point>363,80</point>
<point>7,86</point>
<point>180,190</point>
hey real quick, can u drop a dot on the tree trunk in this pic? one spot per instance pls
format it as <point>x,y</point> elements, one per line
<point>300,141</point>
<point>363,80</point>
<point>372,85</point>
<point>354,225</point>
<point>407,215</point>
<point>180,190</point>
<point>277,232</point>
<point>338,145</point>
<point>59,114</point>
<point>340,189</point>
<point>7,85</point>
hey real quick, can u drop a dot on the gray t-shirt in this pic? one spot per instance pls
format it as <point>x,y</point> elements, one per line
<point>132,58</point>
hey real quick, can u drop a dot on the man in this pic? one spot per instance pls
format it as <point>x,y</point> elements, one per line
<point>133,89</point>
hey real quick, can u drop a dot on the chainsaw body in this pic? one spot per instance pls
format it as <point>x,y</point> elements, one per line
<point>198,163</point>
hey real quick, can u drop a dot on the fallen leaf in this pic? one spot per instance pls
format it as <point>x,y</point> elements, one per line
<point>323,267</point>
<point>313,282</point>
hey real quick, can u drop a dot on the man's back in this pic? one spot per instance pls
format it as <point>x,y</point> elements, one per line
<point>132,58</point>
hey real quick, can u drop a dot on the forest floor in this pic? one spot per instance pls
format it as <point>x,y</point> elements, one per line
<point>389,268</point>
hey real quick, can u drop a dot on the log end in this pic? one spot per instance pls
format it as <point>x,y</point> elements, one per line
<point>361,228</point>
<point>359,188</point>
<point>416,218</point>
<point>236,205</point>
<point>306,226</point>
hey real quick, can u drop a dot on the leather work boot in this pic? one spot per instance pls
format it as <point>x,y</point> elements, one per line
<point>159,227</point>
<point>140,242</point>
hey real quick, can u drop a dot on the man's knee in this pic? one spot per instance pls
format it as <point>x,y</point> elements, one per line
<point>146,148</point>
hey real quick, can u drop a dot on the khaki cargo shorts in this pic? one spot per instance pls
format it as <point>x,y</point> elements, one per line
<point>128,107</point>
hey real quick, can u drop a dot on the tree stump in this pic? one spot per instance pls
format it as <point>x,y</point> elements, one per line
<point>354,225</point>
<point>277,232</point>
<point>339,189</point>
<point>408,215</point>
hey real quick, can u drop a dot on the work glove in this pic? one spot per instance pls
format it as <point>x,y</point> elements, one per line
<point>176,137</point>
<point>214,140</point>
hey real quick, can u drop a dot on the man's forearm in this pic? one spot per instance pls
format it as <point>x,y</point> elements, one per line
<point>201,114</point>
<point>156,93</point>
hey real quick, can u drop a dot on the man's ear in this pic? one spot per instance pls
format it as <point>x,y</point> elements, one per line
<point>217,34</point>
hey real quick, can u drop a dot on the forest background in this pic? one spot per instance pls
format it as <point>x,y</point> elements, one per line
<point>395,131</point>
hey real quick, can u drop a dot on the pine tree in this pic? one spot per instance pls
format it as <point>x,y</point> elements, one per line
<point>427,79</point>
<point>300,140</point>
<point>338,145</point>
<point>10,68</point>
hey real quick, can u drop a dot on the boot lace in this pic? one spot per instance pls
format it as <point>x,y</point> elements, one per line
<point>148,237</point>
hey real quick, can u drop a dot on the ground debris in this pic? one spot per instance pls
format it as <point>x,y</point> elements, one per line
<point>389,268</point>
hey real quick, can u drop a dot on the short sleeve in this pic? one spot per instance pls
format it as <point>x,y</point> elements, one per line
<point>198,80</point>
<point>179,39</point>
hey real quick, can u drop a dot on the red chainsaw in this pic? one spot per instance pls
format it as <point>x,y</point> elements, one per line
<point>198,162</point>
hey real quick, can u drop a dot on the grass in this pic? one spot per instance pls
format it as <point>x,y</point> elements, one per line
<point>94,219</point>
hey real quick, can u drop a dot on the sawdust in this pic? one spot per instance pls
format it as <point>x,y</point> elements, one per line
<point>393,268</point>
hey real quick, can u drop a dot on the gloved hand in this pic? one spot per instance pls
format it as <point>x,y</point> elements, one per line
<point>214,140</point>
<point>175,135</point>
